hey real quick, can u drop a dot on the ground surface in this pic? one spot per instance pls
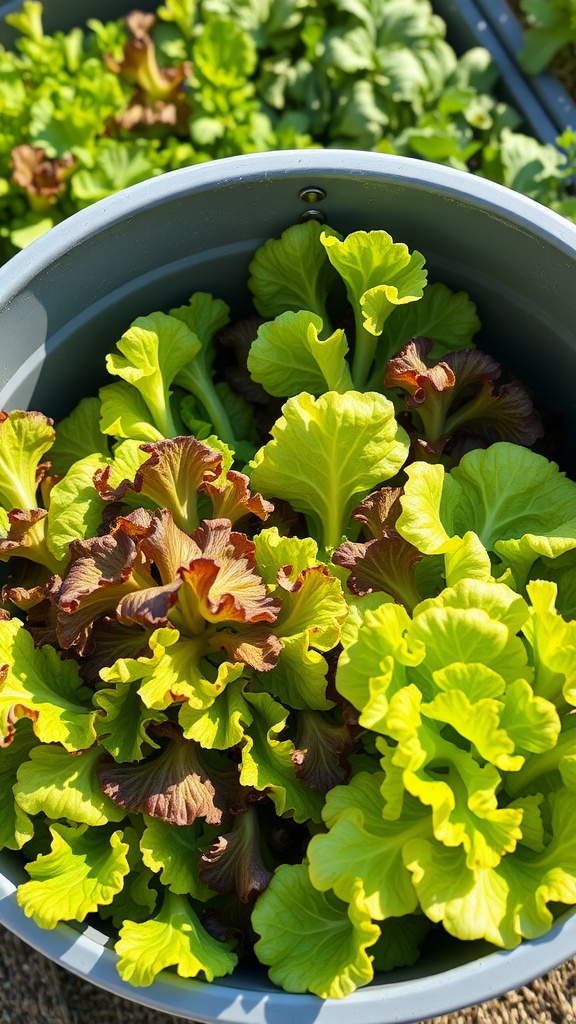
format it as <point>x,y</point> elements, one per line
<point>34,991</point>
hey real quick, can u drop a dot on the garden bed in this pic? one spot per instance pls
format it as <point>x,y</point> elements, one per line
<point>92,118</point>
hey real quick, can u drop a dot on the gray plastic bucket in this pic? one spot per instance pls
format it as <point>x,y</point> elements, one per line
<point>66,300</point>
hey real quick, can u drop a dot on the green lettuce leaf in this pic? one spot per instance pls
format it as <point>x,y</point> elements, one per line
<point>137,898</point>
<point>267,764</point>
<point>84,869</point>
<point>150,355</point>
<point>362,844</point>
<point>288,356</point>
<point>122,726</point>
<point>463,797</point>
<point>174,938</point>
<point>78,436</point>
<point>505,903</point>
<point>374,667</point>
<point>175,670</point>
<point>221,725</point>
<point>517,503</point>
<point>35,681</point>
<point>204,316</point>
<point>379,275</point>
<point>310,940</point>
<point>174,852</point>
<point>324,452</point>
<point>15,825</point>
<point>75,506</point>
<point>292,272</point>
<point>24,438</point>
<point>125,414</point>
<point>274,552</point>
<point>552,643</point>
<point>64,785</point>
<point>299,678</point>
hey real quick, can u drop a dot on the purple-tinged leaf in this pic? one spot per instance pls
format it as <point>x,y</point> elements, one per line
<point>231,498</point>
<point>101,572</point>
<point>171,477</point>
<point>322,748</point>
<point>234,862</point>
<point>379,511</point>
<point>175,786</point>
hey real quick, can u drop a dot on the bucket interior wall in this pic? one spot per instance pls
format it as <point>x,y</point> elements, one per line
<point>57,330</point>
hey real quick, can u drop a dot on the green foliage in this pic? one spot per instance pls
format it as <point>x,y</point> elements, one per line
<point>333,755</point>
<point>264,75</point>
<point>551,26</point>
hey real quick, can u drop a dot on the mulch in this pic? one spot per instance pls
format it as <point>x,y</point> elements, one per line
<point>33,990</point>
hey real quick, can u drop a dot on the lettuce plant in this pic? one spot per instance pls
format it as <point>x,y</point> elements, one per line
<point>290,681</point>
<point>551,26</point>
<point>95,110</point>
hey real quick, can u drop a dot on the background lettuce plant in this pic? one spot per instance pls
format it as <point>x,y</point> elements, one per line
<point>551,27</point>
<point>304,692</point>
<point>95,110</point>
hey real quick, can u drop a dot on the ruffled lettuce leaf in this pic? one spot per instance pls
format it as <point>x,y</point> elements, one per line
<point>467,636</point>
<point>326,451</point>
<point>299,679</point>
<point>463,797</point>
<point>37,683</point>
<point>379,275</point>
<point>221,725</point>
<point>64,785</point>
<point>289,356</point>
<point>362,844</point>
<point>101,571</point>
<point>137,898</point>
<point>275,552</point>
<point>175,785</point>
<point>552,643</point>
<point>311,941</point>
<point>173,938</point>
<point>373,667</point>
<point>292,272</point>
<point>122,726</point>
<point>267,763</point>
<point>518,504</point>
<point>314,597</point>
<point>171,476</point>
<point>24,438</point>
<point>231,498</point>
<point>504,903</point>
<point>456,404</point>
<point>175,670</point>
<point>15,825</point>
<point>84,869</point>
<point>173,851</point>
<point>150,355</point>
